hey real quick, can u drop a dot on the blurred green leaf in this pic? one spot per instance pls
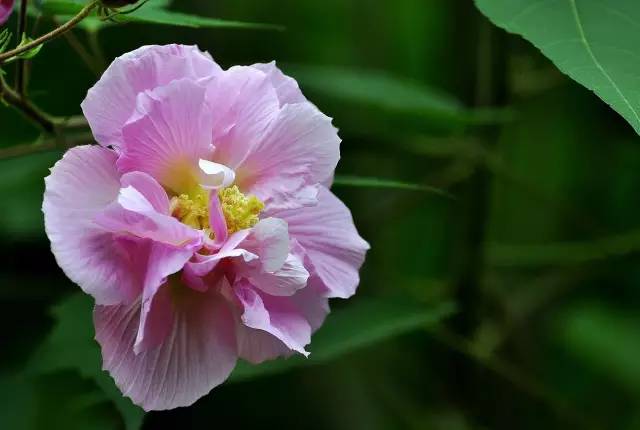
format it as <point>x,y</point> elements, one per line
<point>593,41</point>
<point>358,325</point>
<point>165,17</point>
<point>389,93</point>
<point>71,345</point>
<point>605,339</point>
<point>22,187</point>
<point>359,181</point>
<point>154,13</point>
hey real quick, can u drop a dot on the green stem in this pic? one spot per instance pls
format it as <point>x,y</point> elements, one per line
<point>21,67</point>
<point>86,11</point>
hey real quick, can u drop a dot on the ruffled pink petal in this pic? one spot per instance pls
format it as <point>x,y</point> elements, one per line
<point>245,105</point>
<point>274,315</point>
<point>198,354</point>
<point>134,216</point>
<point>285,281</point>
<point>334,249</point>
<point>300,150</point>
<point>269,240</point>
<point>286,87</point>
<point>112,101</point>
<point>6,7</point>
<point>80,186</point>
<point>171,135</point>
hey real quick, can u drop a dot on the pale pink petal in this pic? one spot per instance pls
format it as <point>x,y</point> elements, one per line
<point>171,135</point>
<point>198,353</point>
<point>162,261</point>
<point>156,319</point>
<point>275,315</point>
<point>112,101</point>
<point>149,188</point>
<point>245,103</point>
<point>286,87</point>
<point>80,186</point>
<point>269,240</point>
<point>300,150</point>
<point>333,247</point>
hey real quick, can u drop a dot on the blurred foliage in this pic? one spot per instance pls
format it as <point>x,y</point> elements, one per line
<point>483,177</point>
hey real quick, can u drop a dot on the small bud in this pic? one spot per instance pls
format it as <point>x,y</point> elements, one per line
<point>6,7</point>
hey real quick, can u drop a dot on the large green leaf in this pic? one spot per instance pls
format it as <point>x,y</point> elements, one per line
<point>358,325</point>
<point>595,42</point>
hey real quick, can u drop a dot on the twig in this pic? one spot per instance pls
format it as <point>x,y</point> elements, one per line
<point>51,144</point>
<point>82,52</point>
<point>86,11</point>
<point>26,107</point>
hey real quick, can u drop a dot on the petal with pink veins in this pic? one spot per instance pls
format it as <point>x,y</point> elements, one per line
<point>171,135</point>
<point>81,185</point>
<point>286,87</point>
<point>245,105</point>
<point>112,101</point>
<point>275,315</point>
<point>197,354</point>
<point>300,150</point>
<point>331,242</point>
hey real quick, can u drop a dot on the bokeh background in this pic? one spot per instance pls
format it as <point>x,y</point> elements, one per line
<point>502,287</point>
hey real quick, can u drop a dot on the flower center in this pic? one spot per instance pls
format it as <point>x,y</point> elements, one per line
<point>239,211</point>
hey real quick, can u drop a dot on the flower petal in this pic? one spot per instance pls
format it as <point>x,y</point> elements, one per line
<point>285,281</point>
<point>6,7</point>
<point>171,135</point>
<point>245,105</point>
<point>286,87</point>
<point>331,242</point>
<point>275,315</point>
<point>112,101</point>
<point>133,215</point>
<point>300,150</point>
<point>198,354</point>
<point>149,188</point>
<point>81,185</point>
<point>214,175</point>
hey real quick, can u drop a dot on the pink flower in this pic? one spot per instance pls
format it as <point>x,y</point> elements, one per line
<point>6,7</point>
<point>202,223</point>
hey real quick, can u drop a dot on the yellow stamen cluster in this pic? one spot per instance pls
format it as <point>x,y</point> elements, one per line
<point>240,211</point>
<point>192,209</point>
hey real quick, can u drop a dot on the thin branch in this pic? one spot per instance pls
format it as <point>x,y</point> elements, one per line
<point>82,52</point>
<point>86,11</point>
<point>26,107</point>
<point>45,145</point>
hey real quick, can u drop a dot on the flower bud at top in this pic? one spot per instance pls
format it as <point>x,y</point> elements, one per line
<point>6,7</point>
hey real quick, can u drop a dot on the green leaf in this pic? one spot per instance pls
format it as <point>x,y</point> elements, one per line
<point>153,13</point>
<point>165,17</point>
<point>359,324</point>
<point>592,329</point>
<point>388,93</point>
<point>595,42</point>
<point>71,345</point>
<point>360,181</point>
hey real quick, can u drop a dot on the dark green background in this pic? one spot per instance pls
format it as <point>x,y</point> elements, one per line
<point>538,248</point>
